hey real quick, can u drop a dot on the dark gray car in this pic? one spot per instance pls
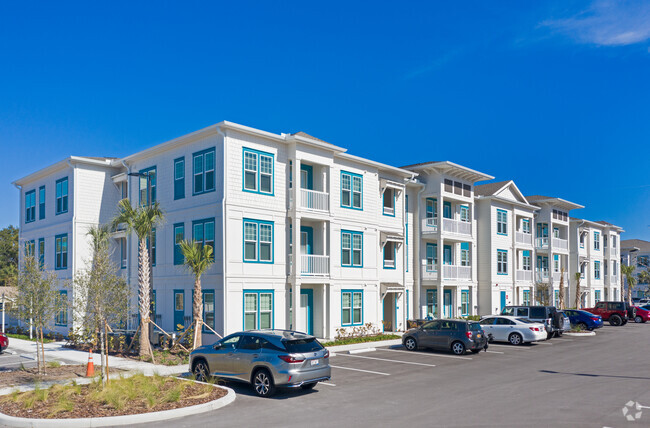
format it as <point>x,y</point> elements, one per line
<point>455,335</point>
<point>264,358</point>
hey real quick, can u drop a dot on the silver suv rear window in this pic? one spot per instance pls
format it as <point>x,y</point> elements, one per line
<point>300,346</point>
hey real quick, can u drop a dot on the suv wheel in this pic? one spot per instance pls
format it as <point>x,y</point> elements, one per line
<point>615,320</point>
<point>410,344</point>
<point>638,319</point>
<point>515,339</point>
<point>558,333</point>
<point>201,371</point>
<point>458,348</point>
<point>263,383</point>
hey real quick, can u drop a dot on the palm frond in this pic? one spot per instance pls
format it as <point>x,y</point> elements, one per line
<point>198,257</point>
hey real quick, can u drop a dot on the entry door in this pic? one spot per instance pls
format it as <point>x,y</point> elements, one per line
<point>448,303</point>
<point>503,300</point>
<point>306,177</point>
<point>306,311</point>
<point>179,310</point>
<point>306,240</point>
<point>446,256</point>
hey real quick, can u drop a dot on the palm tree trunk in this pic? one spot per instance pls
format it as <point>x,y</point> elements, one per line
<point>578,293</point>
<point>629,292</point>
<point>561,292</point>
<point>197,311</point>
<point>143,296</point>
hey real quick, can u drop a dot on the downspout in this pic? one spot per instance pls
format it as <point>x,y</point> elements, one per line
<point>223,231</point>
<point>128,241</point>
<point>405,256</point>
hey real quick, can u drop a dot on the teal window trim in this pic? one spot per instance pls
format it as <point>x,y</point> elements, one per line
<point>30,206</point>
<point>526,260</point>
<point>431,208</point>
<point>41,203</point>
<point>406,246</point>
<point>596,269</point>
<point>176,312</point>
<point>432,302</point>
<point>61,319</point>
<point>179,235</point>
<point>384,203</point>
<point>352,307</point>
<point>432,257</point>
<point>502,222</point>
<point>352,178</point>
<point>179,178</point>
<point>464,306</point>
<point>258,309</point>
<point>392,244</point>
<point>203,171</point>
<point>408,312</point>
<point>255,161</point>
<point>556,262</point>
<point>502,262</point>
<point>41,252</point>
<point>465,258</point>
<point>61,252</point>
<point>446,210</point>
<point>525,227</point>
<point>597,241</point>
<point>205,310</point>
<point>257,240</point>
<point>526,297</point>
<point>352,248</point>
<point>597,296</point>
<point>123,252</point>
<point>30,248</point>
<point>203,236</point>
<point>142,185</point>
<point>62,190</point>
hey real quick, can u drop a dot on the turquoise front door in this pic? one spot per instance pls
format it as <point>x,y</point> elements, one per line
<point>306,240</point>
<point>306,319</point>
<point>503,300</point>
<point>448,302</point>
<point>446,256</point>
<point>179,310</point>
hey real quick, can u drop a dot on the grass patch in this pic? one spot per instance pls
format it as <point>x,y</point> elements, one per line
<point>168,358</point>
<point>364,339</point>
<point>26,337</point>
<point>53,364</point>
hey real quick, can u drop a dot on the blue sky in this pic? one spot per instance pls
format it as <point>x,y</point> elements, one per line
<point>553,95</point>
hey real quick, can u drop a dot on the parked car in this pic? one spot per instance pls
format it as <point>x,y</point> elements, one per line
<point>583,319</point>
<point>642,314</point>
<point>513,330</point>
<point>643,301</point>
<point>617,313</point>
<point>4,342</point>
<point>267,359</point>
<point>565,322</point>
<point>546,315</point>
<point>455,335</point>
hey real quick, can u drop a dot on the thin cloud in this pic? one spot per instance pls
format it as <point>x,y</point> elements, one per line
<point>607,23</point>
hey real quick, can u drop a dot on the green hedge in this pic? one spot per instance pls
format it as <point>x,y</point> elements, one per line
<point>364,339</point>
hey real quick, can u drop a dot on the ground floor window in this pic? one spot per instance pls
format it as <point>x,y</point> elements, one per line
<point>208,308</point>
<point>432,303</point>
<point>62,316</point>
<point>258,309</point>
<point>464,302</point>
<point>351,307</point>
<point>526,299</point>
<point>597,296</point>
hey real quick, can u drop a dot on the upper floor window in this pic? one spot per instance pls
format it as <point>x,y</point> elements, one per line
<point>446,209</point>
<point>614,241</point>
<point>351,248</point>
<point>258,241</point>
<point>596,241</point>
<point>389,202</point>
<point>556,262</point>
<point>179,178</point>
<point>258,171</point>
<point>604,241</point>
<point>41,202</point>
<point>560,215</point>
<point>502,262</point>
<point>432,257</point>
<point>204,166</point>
<point>61,252</point>
<point>152,244</point>
<point>457,188</point>
<point>30,206</point>
<point>123,253</point>
<point>202,232</point>
<point>596,269</point>
<point>502,222</point>
<point>179,235</point>
<point>464,254</point>
<point>147,182</point>
<point>556,232</point>
<point>525,225</point>
<point>390,250</point>
<point>464,213</point>
<point>431,208</point>
<point>125,189</point>
<point>525,261</point>
<point>351,190</point>
<point>62,196</point>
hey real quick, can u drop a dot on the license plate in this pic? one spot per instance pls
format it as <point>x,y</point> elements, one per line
<point>314,362</point>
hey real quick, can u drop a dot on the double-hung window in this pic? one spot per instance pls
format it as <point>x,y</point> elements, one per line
<point>61,252</point>
<point>30,248</point>
<point>464,302</point>
<point>604,241</point>
<point>41,202</point>
<point>502,262</point>
<point>526,298</point>
<point>464,213</point>
<point>351,190</point>
<point>203,172</point>
<point>596,269</point>
<point>597,295</point>
<point>30,206</point>
<point>258,241</point>
<point>390,251</point>
<point>525,260</point>
<point>351,249</point>
<point>147,183</point>
<point>123,253</point>
<point>61,318</point>
<point>202,232</point>
<point>525,225</point>
<point>179,235</point>
<point>208,309</point>
<point>258,309</point>
<point>432,257</point>
<point>258,171</point>
<point>431,211</point>
<point>464,254</point>
<point>502,222</point>
<point>62,196</point>
<point>41,252</point>
<point>389,202</point>
<point>597,241</point>
<point>351,307</point>
<point>179,178</point>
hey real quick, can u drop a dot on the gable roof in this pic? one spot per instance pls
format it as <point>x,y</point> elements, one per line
<point>558,202</point>
<point>635,243</point>
<point>306,135</point>
<point>489,189</point>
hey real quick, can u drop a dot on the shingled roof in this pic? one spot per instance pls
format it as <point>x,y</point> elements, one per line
<point>306,135</point>
<point>489,189</point>
<point>638,243</point>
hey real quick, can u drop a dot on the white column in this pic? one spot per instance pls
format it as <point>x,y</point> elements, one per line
<point>441,281</point>
<point>296,306</point>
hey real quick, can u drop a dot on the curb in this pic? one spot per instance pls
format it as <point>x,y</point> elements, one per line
<point>140,418</point>
<point>364,345</point>
<point>591,333</point>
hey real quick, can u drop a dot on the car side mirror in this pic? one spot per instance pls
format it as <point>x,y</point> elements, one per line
<point>217,346</point>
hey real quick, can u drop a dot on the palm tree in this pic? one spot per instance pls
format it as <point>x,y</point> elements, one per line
<point>578,276</point>
<point>560,296</point>
<point>644,278</point>
<point>627,272</point>
<point>141,220</point>
<point>198,259</point>
<point>99,236</point>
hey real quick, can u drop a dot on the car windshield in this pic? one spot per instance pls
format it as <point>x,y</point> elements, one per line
<point>507,311</point>
<point>303,345</point>
<point>526,320</point>
<point>474,326</point>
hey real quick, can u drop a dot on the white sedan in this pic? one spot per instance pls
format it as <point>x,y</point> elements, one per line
<point>512,329</point>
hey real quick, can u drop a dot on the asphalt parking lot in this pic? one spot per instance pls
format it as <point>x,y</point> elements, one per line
<point>566,382</point>
<point>13,360</point>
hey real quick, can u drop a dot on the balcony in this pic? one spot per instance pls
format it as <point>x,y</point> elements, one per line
<point>314,200</point>
<point>457,272</point>
<point>390,211</point>
<point>558,275</point>
<point>429,275</point>
<point>524,275</point>
<point>314,265</point>
<point>560,244</point>
<point>430,225</point>
<point>457,227</point>
<point>389,264</point>
<point>524,238</point>
<point>541,243</point>
<point>541,275</point>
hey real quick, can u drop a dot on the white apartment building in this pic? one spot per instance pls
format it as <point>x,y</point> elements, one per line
<point>595,253</point>
<point>445,231</point>
<point>250,194</point>
<point>505,223</point>
<point>636,252</point>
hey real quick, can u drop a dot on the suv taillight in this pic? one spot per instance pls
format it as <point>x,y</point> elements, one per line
<point>327,354</point>
<point>468,334</point>
<point>291,359</point>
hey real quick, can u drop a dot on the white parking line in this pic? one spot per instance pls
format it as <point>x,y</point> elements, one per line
<point>325,383</point>
<point>420,353</point>
<point>510,347</point>
<point>543,343</point>
<point>392,361</point>
<point>359,370</point>
<point>495,352</point>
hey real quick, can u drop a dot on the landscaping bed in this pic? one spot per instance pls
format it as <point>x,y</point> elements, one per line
<point>363,339</point>
<point>53,372</point>
<point>125,396</point>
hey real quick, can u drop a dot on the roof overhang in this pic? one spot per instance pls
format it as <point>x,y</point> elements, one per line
<point>391,237</point>
<point>508,201</point>
<point>391,287</point>
<point>61,165</point>
<point>559,203</point>
<point>454,170</point>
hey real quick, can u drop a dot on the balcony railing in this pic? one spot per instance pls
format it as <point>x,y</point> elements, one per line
<point>430,225</point>
<point>455,226</point>
<point>524,238</point>
<point>457,272</point>
<point>389,264</point>
<point>541,275</point>
<point>524,275</point>
<point>559,243</point>
<point>541,243</point>
<point>558,275</point>
<point>314,200</point>
<point>314,265</point>
<point>431,275</point>
<point>389,211</point>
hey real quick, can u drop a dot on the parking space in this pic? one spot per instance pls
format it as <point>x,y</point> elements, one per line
<point>12,360</point>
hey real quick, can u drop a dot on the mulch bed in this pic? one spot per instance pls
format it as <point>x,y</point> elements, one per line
<point>31,376</point>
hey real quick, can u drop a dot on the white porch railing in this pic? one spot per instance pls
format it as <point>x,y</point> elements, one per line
<point>314,200</point>
<point>524,275</point>
<point>541,243</point>
<point>455,226</point>
<point>313,265</point>
<point>561,244</point>
<point>389,210</point>
<point>430,225</point>
<point>389,264</point>
<point>541,275</point>
<point>524,238</point>
<point>429,274</point>
<point>558,275</point>
<point>457,272</point>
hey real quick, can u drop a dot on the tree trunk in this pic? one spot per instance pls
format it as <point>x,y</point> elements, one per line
<point>197,312</point>
<point>578,292</point>
<point>106,336</point>
<point>42,351</point>
<point>101,347</point>
<point>561,293</point>
<point>629,293</point>
<point>143,296</point>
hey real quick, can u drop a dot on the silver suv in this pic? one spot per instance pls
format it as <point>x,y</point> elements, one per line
<point>264,358</point>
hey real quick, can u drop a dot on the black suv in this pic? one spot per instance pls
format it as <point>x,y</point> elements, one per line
<point>455,335</point>
<point>547,315</point>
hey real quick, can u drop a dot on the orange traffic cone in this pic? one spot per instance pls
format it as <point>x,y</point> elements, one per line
<point>90,367</point>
